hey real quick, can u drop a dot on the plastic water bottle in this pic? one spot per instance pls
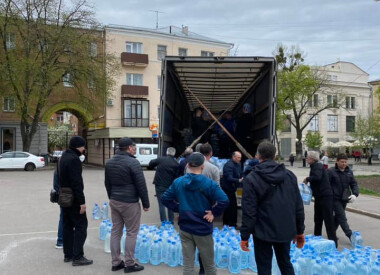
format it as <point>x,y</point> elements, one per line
<point>303,264</point>
<point>350,268</point>
<point>122,242</point>
<point>144,252</point>
<point>275,268</point>
<point>296,267</point>
<point>339,267</point>
<point>173,255</point>
<point>316,269</point>
<point>196,257</point>
<point>155,253</point>
<point>95,212</point>
<point>103,230</point>
<point>234,261</point>
<point>329,269</point>
<point>364,269</point>
<point>244,255</point>
<point>137,246</point>
<point>107,242</point>
<point>306,193</point>
<point>356,239</point>
<point>105,210</point>
<point>376,269</point>
<point>251,260</point>
<point>222,261</point>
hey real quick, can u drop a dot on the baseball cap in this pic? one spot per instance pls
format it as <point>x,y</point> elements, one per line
<point>196,159</point>
<point>125,142</point>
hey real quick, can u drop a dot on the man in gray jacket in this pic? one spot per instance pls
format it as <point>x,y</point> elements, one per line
<point>125,184</point>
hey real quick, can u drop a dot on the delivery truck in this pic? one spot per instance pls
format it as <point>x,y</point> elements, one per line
<point>244,87</point>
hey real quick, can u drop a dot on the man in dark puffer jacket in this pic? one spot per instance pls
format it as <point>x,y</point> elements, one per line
<point>272,212</point>
<point>125,184</point>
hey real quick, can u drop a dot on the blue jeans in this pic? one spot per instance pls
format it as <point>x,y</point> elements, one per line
<point>162,209</point>
<point>60,228</point>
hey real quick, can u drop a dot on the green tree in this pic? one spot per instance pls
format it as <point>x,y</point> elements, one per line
<point>367,132</point>
<point>300,90</point>
<point>313,140</point>
<point>57,136</point>
<point>44,43</point>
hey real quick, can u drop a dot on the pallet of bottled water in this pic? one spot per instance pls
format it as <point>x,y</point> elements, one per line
<point>320,257</point>
<point>156,245</point>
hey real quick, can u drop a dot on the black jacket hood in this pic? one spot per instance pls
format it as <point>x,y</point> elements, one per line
<point>271,171</point>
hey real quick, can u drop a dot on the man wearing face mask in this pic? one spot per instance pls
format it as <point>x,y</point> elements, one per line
<point>74,217</point>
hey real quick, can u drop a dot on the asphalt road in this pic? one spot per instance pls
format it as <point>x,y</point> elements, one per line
<point>28,226</point>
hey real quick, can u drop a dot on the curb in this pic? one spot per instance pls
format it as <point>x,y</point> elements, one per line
<point>363,212</point>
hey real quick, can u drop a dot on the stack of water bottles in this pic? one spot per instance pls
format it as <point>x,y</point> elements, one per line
<point>156,245</point>
<point>306,193</point>
<point>100,213</point>
<point>320,257</point>
<point>219,163</point>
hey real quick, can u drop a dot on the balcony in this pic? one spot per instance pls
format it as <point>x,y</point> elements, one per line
<point>134,91</point>
<point>134,59</point>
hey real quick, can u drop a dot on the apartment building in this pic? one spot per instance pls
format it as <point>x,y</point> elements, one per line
<point>133,105</point>
<point>351,89</point>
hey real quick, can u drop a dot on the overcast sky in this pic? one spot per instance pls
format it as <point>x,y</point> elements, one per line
<point>326,30</point>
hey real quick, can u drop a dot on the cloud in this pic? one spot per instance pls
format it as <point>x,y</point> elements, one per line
<point>324,29</point>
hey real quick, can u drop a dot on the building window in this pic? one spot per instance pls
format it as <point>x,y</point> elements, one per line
<point>182,52</point>
<point>206,53</point>
<point>59,117</point>
<point>350,102</point>
<point>313,124</point>
<point>161,52</point>
<point>136,113</point>
<point>133,47</point>
<point>134,79</point>
<point>332,77</point>
<point>350,124</point>
<point>68,80</point>
<point>145,151</point>
<point>288,125</point>
<point>8,104</point>
<point>332,123</point>
<point>314,101</point>
<point>10,41</point>
<point>92,49</point>
<point>332,100</point>
<point>158,82</point>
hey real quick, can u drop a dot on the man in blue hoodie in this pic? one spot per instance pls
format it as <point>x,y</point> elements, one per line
<point>198,200</point>
<point>272,212</point>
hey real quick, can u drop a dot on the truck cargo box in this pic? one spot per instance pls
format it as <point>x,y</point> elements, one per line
<point>220,83</point>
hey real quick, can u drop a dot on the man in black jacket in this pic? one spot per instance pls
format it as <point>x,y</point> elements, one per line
<point>74,217</point>
<point>125,185</point>
<point>272,212</point>
<point>345,189</point>
<point>323,195</point>
<point>232,176</point>
<point>167,171</point>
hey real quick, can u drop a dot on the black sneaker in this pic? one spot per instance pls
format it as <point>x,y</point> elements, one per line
<point>82,261</point>
<point>67,259</point>
<point>118,267</point>
<point>133,268</point>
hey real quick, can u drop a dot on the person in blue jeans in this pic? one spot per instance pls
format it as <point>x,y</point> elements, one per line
<point>59,243</point>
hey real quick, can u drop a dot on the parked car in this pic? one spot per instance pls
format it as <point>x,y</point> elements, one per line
<point>21,160</point>
<point>145,153</point>
<point>55,156</point>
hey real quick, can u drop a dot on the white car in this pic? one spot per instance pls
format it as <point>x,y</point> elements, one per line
<point>23,160</point>
<point>145,153</point>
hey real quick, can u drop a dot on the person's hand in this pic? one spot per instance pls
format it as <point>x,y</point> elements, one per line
<point>82,209</point>
<point>244,245</point>
<point>209,216</point>
<point>305,181</point>
<point>300,240</point>
<point>146,209</point>
<point>240,179</point>
<point>351,198</point>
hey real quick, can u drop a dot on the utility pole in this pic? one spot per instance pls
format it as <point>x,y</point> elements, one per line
<point>157,12</point>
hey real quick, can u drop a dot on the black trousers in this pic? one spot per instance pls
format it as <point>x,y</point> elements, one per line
<point>230,214</point>
<point>340,217</point>
<point>74,232</point>
<point>324,212</point>
<point>264,254</point>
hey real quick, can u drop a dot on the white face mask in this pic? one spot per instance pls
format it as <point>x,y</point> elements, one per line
<point>82,158</point>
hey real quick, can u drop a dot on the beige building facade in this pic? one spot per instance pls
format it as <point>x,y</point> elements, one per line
<point>133,107</point>
<point>348,85</point>
<point>375,84</point>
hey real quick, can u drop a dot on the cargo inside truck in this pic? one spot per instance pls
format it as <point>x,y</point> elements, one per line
<point>221,84</point>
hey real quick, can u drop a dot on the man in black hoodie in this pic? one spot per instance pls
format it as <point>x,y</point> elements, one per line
<point>74,217</point>
<point>272,212</point>
<point>323,195</point>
